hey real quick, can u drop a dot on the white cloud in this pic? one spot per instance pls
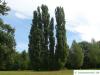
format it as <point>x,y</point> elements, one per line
<point>21,16</point>
<point>82,16</point>
<point>27,7</point>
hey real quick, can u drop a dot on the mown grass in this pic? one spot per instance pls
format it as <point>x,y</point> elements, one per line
<point>63,72</point>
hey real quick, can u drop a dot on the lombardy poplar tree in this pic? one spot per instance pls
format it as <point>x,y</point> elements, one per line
<point>35,45</point>
<point>61,46</point>
<point>38,39</point>
<point>52,44</point>
<point>45,23</point>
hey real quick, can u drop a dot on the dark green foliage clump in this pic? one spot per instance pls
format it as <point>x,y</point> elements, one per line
<point>3,8</point>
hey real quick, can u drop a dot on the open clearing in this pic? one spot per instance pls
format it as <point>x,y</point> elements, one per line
<point>63,72</point>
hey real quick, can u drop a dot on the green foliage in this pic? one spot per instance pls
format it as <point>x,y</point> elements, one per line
<point>76,56</point>
<point>21,61</point>
<point>46,24</point>
<point>51,45</point>
<point>7,46</point>
<point>24,61</point>
<point>85,47</point>
<point>61,47</point>
<point>94,54</point>
<point>3,8</point>
<point>17,61</point>
<point>7,41</point>
<point>36,41</point>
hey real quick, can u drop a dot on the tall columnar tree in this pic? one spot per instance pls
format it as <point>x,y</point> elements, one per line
<point>51,44</point>
<point>35,44</point>
<point>61,47</point>
<point>76,56</point>
<point>45,23</point>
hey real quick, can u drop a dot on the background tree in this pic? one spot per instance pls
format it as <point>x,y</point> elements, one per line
<point>21,61</point>
<point>76,56</point>
<point>24,60</point>
<point>94,54</point>
<point>61,47</point>
<point>85,47</point>
<point>17,61</point>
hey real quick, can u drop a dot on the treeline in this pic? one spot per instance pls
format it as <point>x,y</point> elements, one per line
<point>84,55</point>
<point>48,49</point>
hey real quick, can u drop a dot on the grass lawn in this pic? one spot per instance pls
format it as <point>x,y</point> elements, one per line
<point>63,72</point>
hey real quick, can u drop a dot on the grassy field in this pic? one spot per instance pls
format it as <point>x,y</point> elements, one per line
<point>63,72</point>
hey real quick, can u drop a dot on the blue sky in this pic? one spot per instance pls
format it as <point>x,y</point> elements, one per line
<point>23,26</point>
<point>22,29</point>
<point>82,19</point>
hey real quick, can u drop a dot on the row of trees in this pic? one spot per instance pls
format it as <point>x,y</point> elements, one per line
<point>47,51</point>
<point>84,55</point>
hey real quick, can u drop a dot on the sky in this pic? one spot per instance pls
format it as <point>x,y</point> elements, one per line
<point>82,19</point>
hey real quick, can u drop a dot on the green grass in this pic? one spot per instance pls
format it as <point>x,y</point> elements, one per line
<point>63,72</point>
